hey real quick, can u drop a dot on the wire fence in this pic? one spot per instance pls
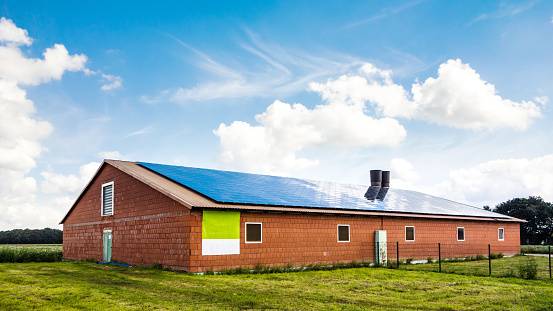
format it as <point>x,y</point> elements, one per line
<point>478,259</point>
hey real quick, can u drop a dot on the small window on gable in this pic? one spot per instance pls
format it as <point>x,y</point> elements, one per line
<point>500,234</point>
<point>253,232</point>
<point>460,234</point>
<point>409,233</point>
<point>107,199</point>
<point>343,233</point>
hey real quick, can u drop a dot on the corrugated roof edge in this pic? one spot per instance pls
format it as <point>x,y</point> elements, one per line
<point>191,198</point>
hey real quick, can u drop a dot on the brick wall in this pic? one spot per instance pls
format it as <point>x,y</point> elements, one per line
<point>301,239</point>
<point>147,226</point>
<point>150,227</point>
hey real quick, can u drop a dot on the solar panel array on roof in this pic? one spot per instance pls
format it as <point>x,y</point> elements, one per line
<point>244,188</point>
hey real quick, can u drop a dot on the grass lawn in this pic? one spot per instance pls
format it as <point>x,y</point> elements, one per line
<point>507,266</point>
<point>88,286</point>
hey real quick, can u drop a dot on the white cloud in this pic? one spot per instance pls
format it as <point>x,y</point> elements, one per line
<point>506,10</point>
<point>542,100</point>
<point>10,34</point>
<point>459,98</point>
<point>496,181</point>
<point>371,85</point>
<point>488,183</point>
<point>382,14</point>
<point>111,82</point>
<point>68,184</point>
<point>142,131</point>
<point>18,68</point>
<point>403,175</point>
<point>403,170</point>
<point>15,66</point>
<point>21,131</point>
<point>286,129</point>
<point>112,155</point>
<point>275,72</point>
<point>20,134</point>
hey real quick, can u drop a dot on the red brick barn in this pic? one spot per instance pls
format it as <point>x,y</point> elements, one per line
<point>199,219</point>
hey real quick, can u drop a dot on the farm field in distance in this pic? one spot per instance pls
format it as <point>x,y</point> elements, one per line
<point>89,286</point>
<point>49,247</point>
<point>30,253</point>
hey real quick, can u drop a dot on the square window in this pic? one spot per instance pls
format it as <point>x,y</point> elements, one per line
<point>501,234</point>
<point>460,234</point>
<point>343,233</point>
<point>107,199</point>
<point>253,232</point>
<point>409,233</point>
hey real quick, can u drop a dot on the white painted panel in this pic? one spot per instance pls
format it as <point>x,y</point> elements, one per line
<point>220,246</point>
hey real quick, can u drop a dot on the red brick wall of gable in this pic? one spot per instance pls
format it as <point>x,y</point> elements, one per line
<point>302,239</point>
<point>147,226</point>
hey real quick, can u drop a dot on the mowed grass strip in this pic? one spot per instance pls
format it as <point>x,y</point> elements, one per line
<point>87,286</point>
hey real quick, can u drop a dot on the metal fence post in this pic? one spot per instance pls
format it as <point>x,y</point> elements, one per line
<point>550,261</point>
<point>490,259</point>
<point>440,257</point>
<point>397,255</point>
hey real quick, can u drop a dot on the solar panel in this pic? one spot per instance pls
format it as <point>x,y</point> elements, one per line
<point>245,188</point>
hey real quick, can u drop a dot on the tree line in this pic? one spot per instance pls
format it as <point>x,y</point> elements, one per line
<point>538,213</point>
<point>32,236</point>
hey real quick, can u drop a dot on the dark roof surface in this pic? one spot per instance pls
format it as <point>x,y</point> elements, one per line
<point>244,188</point>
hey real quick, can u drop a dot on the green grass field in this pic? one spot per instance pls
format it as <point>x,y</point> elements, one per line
<point>503,267</point>
<point>30,253</point>
<point>88,286</point>
<point>49,247</point>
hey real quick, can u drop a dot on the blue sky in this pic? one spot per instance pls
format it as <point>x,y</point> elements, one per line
<point>452,96</point>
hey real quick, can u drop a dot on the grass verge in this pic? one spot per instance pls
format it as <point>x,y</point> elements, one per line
<point>87,286</point>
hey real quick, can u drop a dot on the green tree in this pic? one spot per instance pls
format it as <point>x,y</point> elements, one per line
<point>537,212</point>
<point>31,236</point>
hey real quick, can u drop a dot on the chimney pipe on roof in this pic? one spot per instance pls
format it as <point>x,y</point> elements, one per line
<point>376,182</point>
<point>385,185</point>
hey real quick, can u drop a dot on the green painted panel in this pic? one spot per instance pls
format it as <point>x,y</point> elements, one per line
<point>221,225</point>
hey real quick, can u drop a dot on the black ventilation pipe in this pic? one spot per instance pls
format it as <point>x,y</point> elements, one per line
<point>376,182</point>
<point>385,185</point>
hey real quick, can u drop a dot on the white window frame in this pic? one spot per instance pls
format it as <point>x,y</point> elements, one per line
<point>338,233</point>
<point>246,233</point>
<point>503,231</point>
<point>413,240</point>
<point>112,198</point>
<point>464,232</point>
